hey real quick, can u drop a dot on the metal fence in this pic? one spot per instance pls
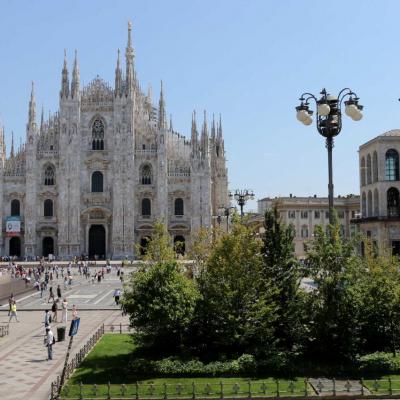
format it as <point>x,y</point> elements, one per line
<point>118,328</point>
<point>76,360</point>
<point>4,329</point>
<point>271,388</point>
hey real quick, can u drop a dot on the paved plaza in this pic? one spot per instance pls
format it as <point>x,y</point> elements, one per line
<point>24,371</point>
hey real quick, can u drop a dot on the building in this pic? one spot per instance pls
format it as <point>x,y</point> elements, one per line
<point>305,213</point>
<point>379,188</point>
<point>94,177</point>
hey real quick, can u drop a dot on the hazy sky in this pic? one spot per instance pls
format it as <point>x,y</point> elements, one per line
<point>248,60</point>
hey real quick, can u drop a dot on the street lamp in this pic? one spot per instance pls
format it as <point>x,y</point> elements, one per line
<point>329,122</point>
<point>241,197</point>
<point>226,211</point>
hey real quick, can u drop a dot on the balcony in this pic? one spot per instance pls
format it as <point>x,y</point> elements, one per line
<point>97,198</point>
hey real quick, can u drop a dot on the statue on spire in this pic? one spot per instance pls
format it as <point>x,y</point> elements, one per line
<point>32,110</point>
<point>64,93</point>
<point>129,63</point>
<point>75,78</point>
<point>162,122</point>
<point>118,77</point>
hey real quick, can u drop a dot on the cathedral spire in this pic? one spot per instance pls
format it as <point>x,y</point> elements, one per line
<point>213,129</point>
<point>194,136</point>
<point>129,63</point>
<point>171,127</point>
<point>42,120</point>
<point>162,121</point>
<point>118,77</point>
<point>219,129</point>
<point>64,93</point>
<point>12,144</point>
<point>204,137</point>
<point>32,110</point>
<point>75,78</point>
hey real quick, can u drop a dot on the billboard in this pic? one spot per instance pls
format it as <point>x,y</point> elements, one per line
<point>13,226</point>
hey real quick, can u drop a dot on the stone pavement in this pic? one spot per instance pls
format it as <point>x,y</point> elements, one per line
<point>24,371</point>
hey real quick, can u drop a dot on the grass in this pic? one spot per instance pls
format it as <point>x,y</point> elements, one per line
<point>107,361</point>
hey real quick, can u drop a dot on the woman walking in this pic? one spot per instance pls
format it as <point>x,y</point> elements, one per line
<point>14,311</point>
<point>65,311</point>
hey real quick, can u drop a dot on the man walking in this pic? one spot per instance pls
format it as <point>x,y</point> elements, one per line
<point>48,342</point>
<point>59,292</point>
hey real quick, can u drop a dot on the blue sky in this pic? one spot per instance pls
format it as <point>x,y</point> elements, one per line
<point>248,60</point>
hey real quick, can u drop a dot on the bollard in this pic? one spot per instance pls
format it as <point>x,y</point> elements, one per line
<point>362,386</point>
<point>334,386</point>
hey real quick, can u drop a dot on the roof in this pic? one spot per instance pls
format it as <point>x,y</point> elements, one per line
<point>393,132</point>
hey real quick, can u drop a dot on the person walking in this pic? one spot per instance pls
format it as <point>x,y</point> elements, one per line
<point>54,309</point>
<point>51,295</point>
<point>74,312</point>
<point>14,311</point>
<point>65,311</point>
<point>41,289</point>
<point>59,292</point>
<point>65,282</point>
<point>47,318</point>
<point>117,295</point>
<point>48,342</point>
<point>10,301</point>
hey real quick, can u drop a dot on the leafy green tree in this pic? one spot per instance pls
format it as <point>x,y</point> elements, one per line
<point>281,269</point>
<point>234,316</point>
<point>336,304</point>
<point>159,246</point>
<point>160,302</point>
<point>380,315</point>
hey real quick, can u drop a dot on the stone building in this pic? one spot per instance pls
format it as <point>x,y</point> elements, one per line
<point>304,213</point>
<point>379,189</point>
<point>94,177</point>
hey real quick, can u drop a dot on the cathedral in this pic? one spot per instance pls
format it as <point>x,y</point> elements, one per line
<point>94,177</point>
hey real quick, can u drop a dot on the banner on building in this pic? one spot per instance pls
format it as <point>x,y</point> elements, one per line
<point>13,226</point>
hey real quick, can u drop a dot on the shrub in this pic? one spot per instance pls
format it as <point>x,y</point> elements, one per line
<point>247,363</point>
<point>379,362</point>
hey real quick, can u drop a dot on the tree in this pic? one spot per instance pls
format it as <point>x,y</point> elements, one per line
<point>160,302</point>
<point>201,248</point>
<point>380,317</point>
<point>280,269</point>
<point>159,246</point>
<point>233,316</point>
<point>335,305</point>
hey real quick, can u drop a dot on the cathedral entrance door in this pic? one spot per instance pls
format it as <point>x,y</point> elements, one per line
<point>47,246</point>
<point>15,247</point>
<point>97,242</point>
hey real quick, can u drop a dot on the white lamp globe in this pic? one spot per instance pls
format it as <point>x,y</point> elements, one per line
<point>324,109</point>
<point>350,110</point>
<point>301,115</point>
<point>308,120</point>
<point>357,115</point>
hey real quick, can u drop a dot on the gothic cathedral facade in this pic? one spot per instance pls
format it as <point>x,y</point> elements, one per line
<point>94,177</point>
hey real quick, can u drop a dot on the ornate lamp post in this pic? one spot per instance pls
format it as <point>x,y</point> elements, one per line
<point>329,122</point>
<point>241,197</point>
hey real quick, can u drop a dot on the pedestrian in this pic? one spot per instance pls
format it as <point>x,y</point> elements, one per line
<point>65,311</point>
<point>70,280</point>
<point>14,311</point>
<point>59,291</point>
<point>10,301</point>
<point>47,318</point>
<point>51,295</point>
<point>99,277</point>
<point>41,289</point>
<point>121,277</point>
<point>49,340</point>
<point>74,312</point>
<point>54,309</point>
<point>65,282</point>
<point>117,295</point>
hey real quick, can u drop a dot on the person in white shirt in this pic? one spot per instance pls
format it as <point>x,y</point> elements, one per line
<point>48,342</point>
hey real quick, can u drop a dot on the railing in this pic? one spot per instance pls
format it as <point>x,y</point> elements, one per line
<point>4,330</point>
<point>117,328</point>
<point>75,362</point>
<point>270,388</point>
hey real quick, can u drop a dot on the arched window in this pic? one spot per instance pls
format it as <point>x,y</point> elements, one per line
<point>49,176</point>
<point>48,208</point>
<point>179,207</point>
<point>146,207</point>
<point>393,204</point>
<point>146,175</point>
<point>304,231</point>
<point>98,134</point>
<point>15,208</point>
<point>375,167</point>
<point>97,182</point>
<point>369,204</point>
<point>369,170</point>
<point>376,203</point>
<point>364,205</point>
<point>392,165</point>
<point>362,171</point>
<point>179,244</point>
